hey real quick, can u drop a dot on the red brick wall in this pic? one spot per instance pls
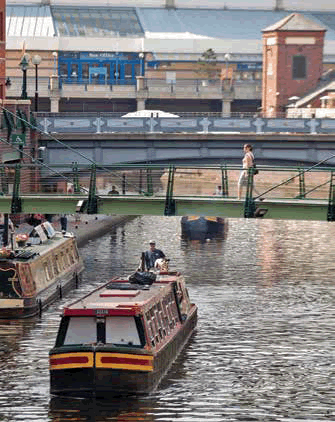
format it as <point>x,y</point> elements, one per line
<point>279,86</point>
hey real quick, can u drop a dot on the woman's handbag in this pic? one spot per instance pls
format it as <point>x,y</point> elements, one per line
<point>255,169</point>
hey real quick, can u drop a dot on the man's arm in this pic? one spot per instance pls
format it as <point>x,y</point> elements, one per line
<point>146,260</point>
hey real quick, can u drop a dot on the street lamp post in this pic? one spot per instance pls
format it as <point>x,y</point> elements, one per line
<point>36,61</point>
<point>24,63</point>
<point>141,56</point>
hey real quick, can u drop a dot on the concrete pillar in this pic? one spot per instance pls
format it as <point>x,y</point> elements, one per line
<point>226,108</point>
<point>140,104</point>
<point>54,94</point>
<point>139,83</point>
<point>54,104</point>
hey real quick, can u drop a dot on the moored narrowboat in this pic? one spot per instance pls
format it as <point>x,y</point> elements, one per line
<point>37,270</point>
<point>122,337</point>
<point>201,227</point>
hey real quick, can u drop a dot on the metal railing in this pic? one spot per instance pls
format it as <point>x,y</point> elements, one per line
<point>296,193</point>
<point>151,179</point>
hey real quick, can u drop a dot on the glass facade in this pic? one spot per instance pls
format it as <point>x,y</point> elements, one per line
<point>100,68</point>
<point>96,22</point>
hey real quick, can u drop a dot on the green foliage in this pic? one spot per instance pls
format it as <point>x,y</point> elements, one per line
<point>207,65</point>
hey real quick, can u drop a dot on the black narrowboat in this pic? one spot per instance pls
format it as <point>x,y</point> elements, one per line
<point>123,337</point>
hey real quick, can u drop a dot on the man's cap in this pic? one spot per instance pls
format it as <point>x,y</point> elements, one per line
<point>152,242</point>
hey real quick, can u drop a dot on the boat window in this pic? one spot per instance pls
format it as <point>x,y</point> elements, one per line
<point>62,262</point>
<point>122,331</point>
<point>81,330</point>
<point>172,309</point>
<point>48,270</point>
<point>164,319</point>
<point>56,264</point>
<point>150,328</point>
<point>159,324</point>
<point>70,255</point>
<point>66,257</point>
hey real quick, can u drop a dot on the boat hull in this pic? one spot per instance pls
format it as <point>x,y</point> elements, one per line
<point>33,277</point>
<point>28,307</point>
<point>201,228</point>
<point>100,381</point>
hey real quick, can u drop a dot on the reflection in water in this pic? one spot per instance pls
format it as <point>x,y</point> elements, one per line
<point>264,346</point>
<point>93,409</point>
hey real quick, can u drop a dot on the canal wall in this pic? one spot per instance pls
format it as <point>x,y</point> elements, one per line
<point>89,227</point>
<point>84,227</point>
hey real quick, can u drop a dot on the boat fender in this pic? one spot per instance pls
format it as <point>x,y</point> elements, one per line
<point>40,307</point>
<point>76,279</point>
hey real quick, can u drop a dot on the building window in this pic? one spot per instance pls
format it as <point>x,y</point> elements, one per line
<point>299,67</point>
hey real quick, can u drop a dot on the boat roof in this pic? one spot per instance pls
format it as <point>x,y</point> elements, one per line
<point>27,253</point>
<point>121,297</point>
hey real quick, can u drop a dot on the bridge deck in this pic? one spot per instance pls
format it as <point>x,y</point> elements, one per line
<point>295,209</point>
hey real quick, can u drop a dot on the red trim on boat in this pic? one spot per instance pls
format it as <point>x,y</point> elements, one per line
<point>94,312</point>
<point>68,360</point>
<point>123,360</point>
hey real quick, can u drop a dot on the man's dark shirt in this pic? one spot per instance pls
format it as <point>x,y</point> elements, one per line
<point>151,256</point>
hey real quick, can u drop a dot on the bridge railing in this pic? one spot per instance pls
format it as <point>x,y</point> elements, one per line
<point>155,180</point>
<point>178,123</point>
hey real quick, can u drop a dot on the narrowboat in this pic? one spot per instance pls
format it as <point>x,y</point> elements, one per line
<point>36,270</point>
<point>201,227</point>
<point>123,337</point>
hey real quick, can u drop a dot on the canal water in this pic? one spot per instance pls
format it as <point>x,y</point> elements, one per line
<point>264,349</point>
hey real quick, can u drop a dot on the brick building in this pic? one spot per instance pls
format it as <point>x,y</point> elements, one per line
<point>292,61</point>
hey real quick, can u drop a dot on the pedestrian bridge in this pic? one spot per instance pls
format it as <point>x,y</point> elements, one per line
<point>274,193</point>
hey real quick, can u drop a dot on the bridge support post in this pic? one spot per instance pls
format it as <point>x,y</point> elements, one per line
<point>16,206</point>
<point>224,181</point>
<point>150,190</point>
<point>331,200</point>
<point>140,104</point>
<point>54,94</point>
<point>92,203</point>
<point>76,186</point>
<point>4,182</point>
<point>249,204</point>
<point>302,188</point>
<point>170,203</point>
<point>226,108</point>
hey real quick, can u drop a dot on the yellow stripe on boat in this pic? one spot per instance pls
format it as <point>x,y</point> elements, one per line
<point>210,218</point>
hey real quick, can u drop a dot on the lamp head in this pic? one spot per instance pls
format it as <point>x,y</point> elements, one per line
<point>36,60</point>
<point>24,63</point>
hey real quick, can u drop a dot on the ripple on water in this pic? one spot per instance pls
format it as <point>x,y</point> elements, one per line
<point>263,349</point>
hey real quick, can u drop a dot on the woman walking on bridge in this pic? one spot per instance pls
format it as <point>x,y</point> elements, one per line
<point>247,162</point>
